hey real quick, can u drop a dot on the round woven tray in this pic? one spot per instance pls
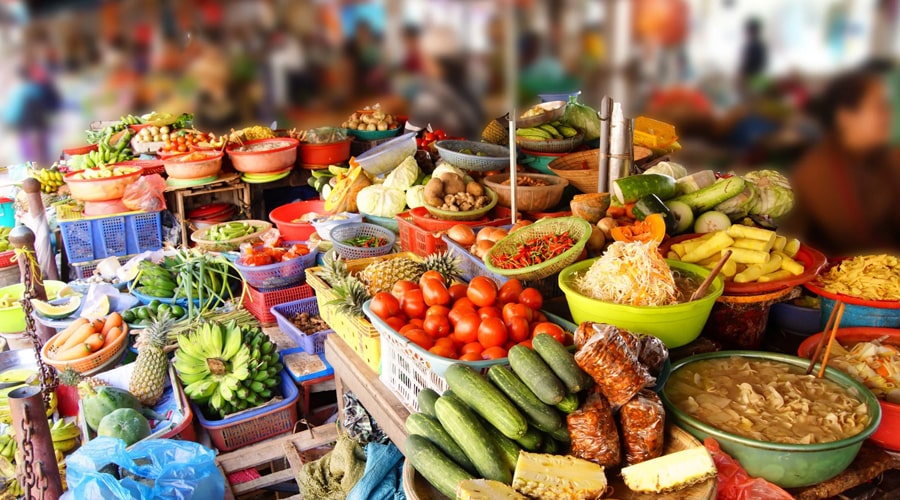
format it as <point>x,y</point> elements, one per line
<point>579,229</point>
<point>551,145</point>
<point>493,157</point>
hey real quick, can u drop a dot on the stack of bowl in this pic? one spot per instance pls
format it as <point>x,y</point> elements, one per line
<point>275,156</point>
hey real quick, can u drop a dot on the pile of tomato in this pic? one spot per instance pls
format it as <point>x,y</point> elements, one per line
<point>470,322</point>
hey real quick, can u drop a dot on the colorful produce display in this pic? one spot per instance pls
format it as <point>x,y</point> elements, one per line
<point>84,338</point>
<point>230,231</point>
<point>266,255</point>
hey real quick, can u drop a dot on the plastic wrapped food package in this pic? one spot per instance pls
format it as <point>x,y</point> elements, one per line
<point>653,354</point>
<point>592,429</point>
<point>615,368</point>
<point>643,424</point>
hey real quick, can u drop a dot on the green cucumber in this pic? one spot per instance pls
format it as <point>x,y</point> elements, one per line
<point>561,361</point>
<point>472,436</point>
<point>542,416</point>
<point>429,427</point>
<point>529,366</point>
<point>434,465</point>
<point>550,446</point>
<point>708,222</point>
<point>469,386</point>
<point>651,204</point>
<point>561,435</point>
<point>695,182</point>
<point>632,188</point>
<point>707,198</point>
<point>532,440</point>
<point>683,215</point>
<point>509,450</point>
<point>568,404</point>
<point>426,398</point>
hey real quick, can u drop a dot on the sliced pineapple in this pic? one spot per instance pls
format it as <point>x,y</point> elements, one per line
<point>558,477</point>
<point>670,472</point>
<point>486,489</point>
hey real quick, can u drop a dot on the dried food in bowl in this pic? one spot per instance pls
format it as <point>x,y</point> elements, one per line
<point>264,155</point>
<point>535,193</point>
<point>195,165</point>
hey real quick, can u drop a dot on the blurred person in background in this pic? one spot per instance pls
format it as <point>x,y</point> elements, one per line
<point>29,111</point>
<point>848,185</point>
<point>754,55</point>
<point>445,99</point>
<point>214,108</point>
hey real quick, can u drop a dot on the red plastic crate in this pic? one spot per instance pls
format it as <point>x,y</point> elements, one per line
<point>260,303</point>
<point>417,240</point>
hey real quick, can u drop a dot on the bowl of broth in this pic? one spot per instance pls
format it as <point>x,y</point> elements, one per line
<point>782,425</point>
<point>676,324</point>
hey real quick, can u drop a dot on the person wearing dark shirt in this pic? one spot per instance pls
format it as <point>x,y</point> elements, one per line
<point>754,55</point>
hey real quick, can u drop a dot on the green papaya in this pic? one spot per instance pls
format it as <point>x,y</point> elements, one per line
<point>125,424</point>
<point>102,401</point>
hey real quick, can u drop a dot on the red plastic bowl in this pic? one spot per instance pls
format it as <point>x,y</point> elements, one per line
<point>886,435</point>
<point>325,154</point>
<point>283,216</point>
<point>813,261</point>
<point>282,157</point>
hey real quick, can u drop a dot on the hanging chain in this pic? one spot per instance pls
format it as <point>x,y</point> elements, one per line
<point>49,380</point>
<point>27,431</point>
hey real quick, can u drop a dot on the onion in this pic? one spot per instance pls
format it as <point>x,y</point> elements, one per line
<point>498,234</point>
<point>597,240</point>
<point>485,234</point>
<point>482,247</point>
<point>519,225</point>
<point>606,224</point>
<point>462,234</point>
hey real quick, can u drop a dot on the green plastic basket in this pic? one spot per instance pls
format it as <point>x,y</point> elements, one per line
<point>578,228</point>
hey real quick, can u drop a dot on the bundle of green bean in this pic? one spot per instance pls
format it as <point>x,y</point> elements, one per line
<point>230,231</point>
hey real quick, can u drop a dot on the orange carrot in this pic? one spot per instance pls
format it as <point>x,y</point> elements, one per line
<point>94,342</point>
<point>112,336</point>
<point>615,212</point>
<point>61,337</point>
<point>77,352</point>
<point>629,210</point>
<point>112,321</point>
<point>77,337</point>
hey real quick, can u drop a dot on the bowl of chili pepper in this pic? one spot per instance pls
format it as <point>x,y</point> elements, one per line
<point>360,240</point>
<point>539,250</point>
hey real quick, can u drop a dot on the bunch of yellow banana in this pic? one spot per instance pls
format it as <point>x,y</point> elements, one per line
<point>25,376</point>
<point>51,179</point>
<point>8,447</point>
<point>12,490</point>
<point>553,130</point>
<point>65,436</point>
<point>5,416</point>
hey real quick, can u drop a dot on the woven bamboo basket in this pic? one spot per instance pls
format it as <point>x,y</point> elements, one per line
<point>579,229</point>
<point>529,198</point>
<point>580,168</point>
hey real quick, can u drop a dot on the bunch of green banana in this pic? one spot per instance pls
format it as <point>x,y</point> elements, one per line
<point>8,447</point>
<point>155,281</point>
<point>4,238</point>
<point>265,369</point>
<point>12,490</point>
<point>212,362</point>
<point>230,230</point>
<point>131,120</point>
<point>51,179</point>
<point>554,130</point>
<point>108,154</point>
<point>65,435</point>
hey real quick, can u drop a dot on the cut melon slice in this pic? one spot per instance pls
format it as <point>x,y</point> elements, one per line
<point>57,311</point>
<point>68,291</point>
<point>96,310</point>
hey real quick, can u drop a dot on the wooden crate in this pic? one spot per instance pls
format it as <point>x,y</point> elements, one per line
<point>277,460</point>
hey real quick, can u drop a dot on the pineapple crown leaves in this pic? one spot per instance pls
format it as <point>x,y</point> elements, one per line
<point>351,296</point>
<point>445,263</point>
<point>334,270</point>
<point>70,377</point>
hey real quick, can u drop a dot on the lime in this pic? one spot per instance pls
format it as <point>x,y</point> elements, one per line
<point>163,308</point>
<point>142,313</point>
<point>154,304</point>
<point>128,316</point>
<point>177,311</point>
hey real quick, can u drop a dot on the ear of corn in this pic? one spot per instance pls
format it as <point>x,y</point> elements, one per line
<point>670,472</point>
<point>558,477</point>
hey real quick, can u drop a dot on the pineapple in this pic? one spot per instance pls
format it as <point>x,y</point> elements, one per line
<point>334,271</point>
<point>670,472</point>
<point>557,477</point>
<point>149,376</point>
<point>381,276</point>
<point>71,378</point>
<point>486,489</point>
<point>351,296</point>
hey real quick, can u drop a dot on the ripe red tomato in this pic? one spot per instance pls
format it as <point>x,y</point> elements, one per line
<point>539,317</point>
<point>457,291</point>
<point>432,275</point>
<point>490,312</point>
<point>526,343</point>
<point>396,322</point>
<point>420,338</point>
<point>492,332</point>
<point>415,322</point>
<point>471,356</point>
<point>482,291</point>
<point>435,293</point>
<point>439,310</point>
<point>402,287</point>
<point>531,298</point>
<point>444,351</point>
<point>385,305</point>
<point>551,329</point>
<point>437,326</point>
<point>459,312</point>
<point>466,328</point>
<point>464,302</point>
<point>509,291</point>
<point>513,310</point>
<point>495,352</point>
<point>473,347</point>
<point>517,327</point>
<point>413,304</point>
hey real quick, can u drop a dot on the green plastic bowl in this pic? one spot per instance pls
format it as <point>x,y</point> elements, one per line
<point>675,325</point>
<point>12,319</point>
<point>787,465</point>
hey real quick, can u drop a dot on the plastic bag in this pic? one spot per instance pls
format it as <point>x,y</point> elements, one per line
<point>325,135</point>
<point>643,422</point>
<point>654,354</point>
<point>592,429</point>
<point>613,365</point>
<point>146,194</point>
<point>733,481</point>
<point>154,469</point>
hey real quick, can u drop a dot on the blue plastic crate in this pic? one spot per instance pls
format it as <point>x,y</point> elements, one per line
<point>115,236</point>
<point>314,342</point>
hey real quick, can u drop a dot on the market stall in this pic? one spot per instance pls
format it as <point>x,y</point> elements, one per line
<point>482,318</point>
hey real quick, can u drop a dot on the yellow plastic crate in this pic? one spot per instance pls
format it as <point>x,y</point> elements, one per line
<point>358,333</point>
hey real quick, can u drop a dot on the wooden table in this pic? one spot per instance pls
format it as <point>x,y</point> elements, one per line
<point>229,183</point>
<point>353,374</point>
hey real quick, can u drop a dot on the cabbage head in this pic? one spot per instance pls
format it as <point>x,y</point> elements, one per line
<point>415,197</point>
<point>740,206</point>
<point>774,196</point>
<point>669,168</point>
<point>583,118</point>
<point>381,201</point>
<point>404,175</point>
<point>443,167</point>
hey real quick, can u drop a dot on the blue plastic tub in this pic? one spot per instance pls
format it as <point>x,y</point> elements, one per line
<point>857,315</point>
<point>7,213</point>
